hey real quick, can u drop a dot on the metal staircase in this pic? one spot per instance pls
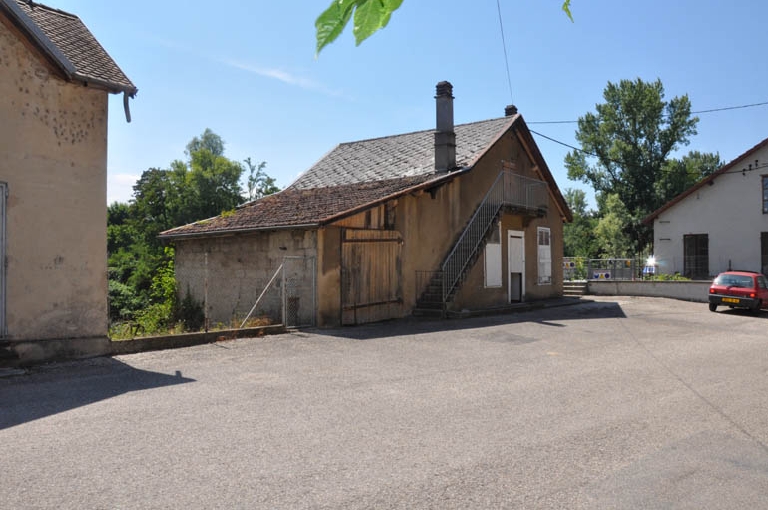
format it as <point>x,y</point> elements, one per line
<point>509,191</point>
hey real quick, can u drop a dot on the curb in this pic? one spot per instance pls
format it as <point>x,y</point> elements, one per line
<point>521,307</point>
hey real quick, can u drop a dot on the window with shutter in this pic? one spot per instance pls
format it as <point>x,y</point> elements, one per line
<point>544,256</point>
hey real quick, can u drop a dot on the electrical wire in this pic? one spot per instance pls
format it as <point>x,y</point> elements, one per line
<point>623,165</point>
<point>506,57</point>
<point>731,108</point>
<point>711,110</point>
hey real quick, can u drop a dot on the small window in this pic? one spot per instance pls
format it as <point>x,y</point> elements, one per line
<point>765,194</point>
<point>389,215</point>
<point>761,282</point>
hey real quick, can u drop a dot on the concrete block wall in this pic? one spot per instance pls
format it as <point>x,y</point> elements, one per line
<point>229,273</point>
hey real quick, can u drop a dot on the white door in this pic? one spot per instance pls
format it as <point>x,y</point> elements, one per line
<point>516,264</point>
<point>3,197</point>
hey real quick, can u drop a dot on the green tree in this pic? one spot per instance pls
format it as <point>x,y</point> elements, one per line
<point>120,233</point>
<point>680,174</point>
<point>141,283</point>
<point>208,140</point>
<point>259,183</point>
<point>611,229</point>
<point>627,146</point>
<point>154,204</point>
<point>210,182</point>
<point>369,16</point>
<point>579,235</point>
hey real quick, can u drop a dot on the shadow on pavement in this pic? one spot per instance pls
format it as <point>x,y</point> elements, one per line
<point>761,314</point>
<point>413,326</point>
<point>62,387</point>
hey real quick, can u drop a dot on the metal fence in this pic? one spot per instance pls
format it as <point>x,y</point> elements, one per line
<point>242,292</point>
<point>580,268</point>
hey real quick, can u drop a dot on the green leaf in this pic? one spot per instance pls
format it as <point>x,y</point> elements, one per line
<point>371,15</point>
<point>567,9</point>
<point>330,24</point>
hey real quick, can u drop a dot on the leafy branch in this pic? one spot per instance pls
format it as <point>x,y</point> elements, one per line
<point>369,16</point>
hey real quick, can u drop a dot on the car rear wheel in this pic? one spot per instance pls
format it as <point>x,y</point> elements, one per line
<point>758,305</point>
<point>712,307</point>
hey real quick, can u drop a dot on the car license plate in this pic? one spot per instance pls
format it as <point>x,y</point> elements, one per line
<point>730,300</point>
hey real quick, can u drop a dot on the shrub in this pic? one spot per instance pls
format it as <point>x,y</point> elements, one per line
<point>191,313</point>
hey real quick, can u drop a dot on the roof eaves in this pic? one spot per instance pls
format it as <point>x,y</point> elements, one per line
<point>109,85</point>
<point>38,37</point>
<point>527,139</point>
<point>168,235</point>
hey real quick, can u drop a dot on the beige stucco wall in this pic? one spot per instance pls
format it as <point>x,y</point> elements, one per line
<point>228,274</point>
<point>473,294</point>
<point>53,157</point>
<point>431,222</point>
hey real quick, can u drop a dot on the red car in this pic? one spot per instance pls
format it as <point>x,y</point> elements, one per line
<point>739,289</point>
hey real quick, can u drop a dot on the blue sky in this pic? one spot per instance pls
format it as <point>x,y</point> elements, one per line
<point>247,70</point>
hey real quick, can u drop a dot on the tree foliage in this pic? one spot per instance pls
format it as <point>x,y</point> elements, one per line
<point>610,231</point>
<point>579,235</point>
<point>369,16</point>
<point>259,183</point>
<point>207,183</point>
<point>626,152</point>
<point>680,174</point>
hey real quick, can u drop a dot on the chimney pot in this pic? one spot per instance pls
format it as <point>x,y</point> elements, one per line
<point>510,110</point>
<point>444,88</point>
<point>445,137</point>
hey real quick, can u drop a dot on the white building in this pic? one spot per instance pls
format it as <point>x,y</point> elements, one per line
<point>718,224</point>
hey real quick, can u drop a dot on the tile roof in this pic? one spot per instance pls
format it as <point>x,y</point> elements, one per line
<point>403,155</point>
<point>65,39</point>
<point>357,175</point>
<point>294,207</point>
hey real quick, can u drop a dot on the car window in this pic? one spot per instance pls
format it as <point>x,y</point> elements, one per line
<point>734,280</point>
<point>761,282</point>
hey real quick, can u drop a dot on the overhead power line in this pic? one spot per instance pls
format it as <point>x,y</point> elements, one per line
<point>623,165</point>
<point>506,57</point>
<point>711,110</point>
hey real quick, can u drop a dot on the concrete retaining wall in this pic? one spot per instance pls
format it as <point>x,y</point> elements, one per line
<point>34,352</point>
<point>688,291</point>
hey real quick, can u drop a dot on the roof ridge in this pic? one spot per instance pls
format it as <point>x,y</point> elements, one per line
<point>410,133</point>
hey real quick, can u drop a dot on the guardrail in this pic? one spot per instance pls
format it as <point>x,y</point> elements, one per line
<point>581,268</point>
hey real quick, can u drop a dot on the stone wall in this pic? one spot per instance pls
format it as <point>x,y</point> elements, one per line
<point>227,274</point>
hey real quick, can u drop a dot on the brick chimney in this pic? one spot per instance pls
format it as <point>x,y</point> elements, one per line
<point>445,138</point>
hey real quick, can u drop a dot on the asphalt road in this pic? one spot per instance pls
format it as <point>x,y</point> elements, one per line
<point>623,403</point>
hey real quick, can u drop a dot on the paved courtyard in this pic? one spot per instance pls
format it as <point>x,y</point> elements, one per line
<point>620,403</point>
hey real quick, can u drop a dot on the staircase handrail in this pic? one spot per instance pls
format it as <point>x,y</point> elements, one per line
<point>505,190</point>
<point>477,225</point>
